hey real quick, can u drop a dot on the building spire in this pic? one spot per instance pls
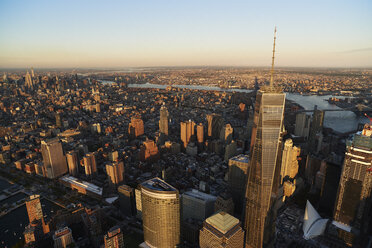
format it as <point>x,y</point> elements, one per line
<point>272,62</point>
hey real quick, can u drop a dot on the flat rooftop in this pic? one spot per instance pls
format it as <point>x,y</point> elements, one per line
<point>88,186</point>
<point>158,185</point>
<point>200,195</point>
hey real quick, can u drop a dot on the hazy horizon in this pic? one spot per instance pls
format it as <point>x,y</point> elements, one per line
<point>126,34</point>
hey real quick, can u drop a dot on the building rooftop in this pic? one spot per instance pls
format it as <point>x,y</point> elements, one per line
<point>158,185</point>
<point>222,221</point>
<point>241,158</point>
<point>200,195</point>
<point>88,186</point>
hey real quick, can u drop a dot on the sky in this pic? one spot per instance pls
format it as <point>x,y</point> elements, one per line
<point>92,34</point>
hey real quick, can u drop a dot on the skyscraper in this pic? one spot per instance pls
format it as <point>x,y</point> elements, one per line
<point>238,174</point>
<point>164,120</point>
<point>126,200</point>
<point>160,213</point>
<point>302,126</point>
<point>187,132</point>
<point>72,162</point>
<point>90,165</point>
<point>115,172</point>
<point>54,161</point>
<point>289,166</point>
<point>221,231</point>
<point>136,127</point>
<point>28,80</point>
<point>200,133</point>
<point>215,124</point>
<point>226,134</point>
<point>197,205</point>
<point>114,238</point>
<point>148,151</point>
<point>316,127</point>
<point>63,238</point>
<point>267,126</point>
<point>354,201</point>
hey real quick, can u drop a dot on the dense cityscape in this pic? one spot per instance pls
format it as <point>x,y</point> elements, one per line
<point>163,124</point>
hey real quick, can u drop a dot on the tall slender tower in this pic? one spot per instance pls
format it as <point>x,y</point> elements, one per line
<point>267,125</point>
<point>54,161</point>
<point>164,120</point>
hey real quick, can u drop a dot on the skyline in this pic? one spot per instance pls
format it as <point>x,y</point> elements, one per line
<point>212,33</point>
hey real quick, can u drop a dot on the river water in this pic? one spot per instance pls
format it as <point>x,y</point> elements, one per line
<point>340,121</point>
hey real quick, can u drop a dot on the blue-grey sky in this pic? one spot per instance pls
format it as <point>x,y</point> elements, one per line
<point>91,33</point>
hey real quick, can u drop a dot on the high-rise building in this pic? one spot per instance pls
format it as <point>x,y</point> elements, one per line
<point>289,166</point>
<point>237,178</point>
<point>353,204</point>
<point>224,203</point>
<point>72,162</point>
<point>302,126</point>
<point>221,231</point>
<point>114,238</point>
<point>63,238</point>
<point>200,133</point>
<point>164,120</point>
<point>58,120</point>
<point>136,127</point>
<point>90,164</point>
<point>34,209</point>
<point>226,134</point>
<point>115,172</point>
<point>316,127</point>
<point>187,132</point>
<point>54,161</point>
<point>137,193</point>
<point>126,200</point>
<point>28,80</point>
<point>197,205</point>
<point>160,213</point>
<point>149,151</point>
<point>215,124</point>
<point>267,127</point>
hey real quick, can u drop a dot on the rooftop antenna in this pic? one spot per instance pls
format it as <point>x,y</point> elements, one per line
<point>272,62</point>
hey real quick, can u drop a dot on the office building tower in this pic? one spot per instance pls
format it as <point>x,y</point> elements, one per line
<point>197,205</point>
<point>221,231</point>
<point>136,127</point>
<point>160,213</point>
<point>316,127</point>
<point>237,178</point>
<point>200,133</point>
<point>114,238</point>
<point>149,151</point>
<point>230,150</point>
<point>164,120</point>
<point>90,165</point>
<point>34,209</point>
<point>187,132</point>
<point>126,200</point>
<point>267,127</point>
<point>353,203</point>
<point>302,126</point>
<point>215,124</point>
<point>58,120</point>
<point>224,203</point>
<point>29,83</point>
<point>63,238</point>
<point>289,167</point>
<point>226,134</point>
<point>54,161</point>
<point>73,163</point>
<point>113,156</point>
<point>115,172</point>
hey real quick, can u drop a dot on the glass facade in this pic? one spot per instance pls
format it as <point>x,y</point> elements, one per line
<point>267,126</point>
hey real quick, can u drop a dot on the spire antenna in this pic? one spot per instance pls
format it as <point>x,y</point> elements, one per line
<point>272,62</point>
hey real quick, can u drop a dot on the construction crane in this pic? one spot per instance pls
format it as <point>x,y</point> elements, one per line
<point>369,118</point>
